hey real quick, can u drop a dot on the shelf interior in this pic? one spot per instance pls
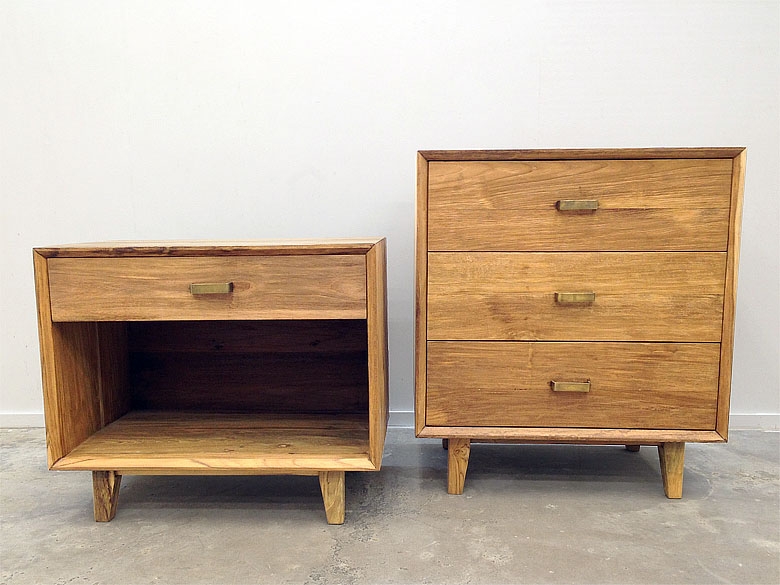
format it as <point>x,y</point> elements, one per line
<point>194,442</point>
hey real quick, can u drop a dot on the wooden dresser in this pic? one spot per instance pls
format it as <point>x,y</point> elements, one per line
<point>576,296</point>
<point>239,358</point>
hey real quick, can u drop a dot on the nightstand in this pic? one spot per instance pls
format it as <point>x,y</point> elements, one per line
<point>217,358</point>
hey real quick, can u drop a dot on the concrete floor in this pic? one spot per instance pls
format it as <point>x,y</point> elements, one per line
<point>530,514</point>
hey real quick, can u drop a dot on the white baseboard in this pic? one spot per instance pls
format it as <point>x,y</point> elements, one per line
<point>21,419</point>
<point>401,419</point>
<point>753,421</point>
<point>405,419</point>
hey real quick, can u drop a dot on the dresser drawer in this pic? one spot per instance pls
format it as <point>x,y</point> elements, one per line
<point>632,385</point>
<point>638,296</point>
<point>262,287</point>
<point>642,205</point>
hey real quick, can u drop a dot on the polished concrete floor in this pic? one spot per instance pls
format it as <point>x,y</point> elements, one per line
<point>530,514</point>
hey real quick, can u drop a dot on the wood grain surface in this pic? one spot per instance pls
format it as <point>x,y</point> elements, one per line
<point>580,154</point>
<point>642,205</point>
<point>420,292</point>
<point>333,490</point>
<point>265,287</point>
<point>672,459</point>
<point>730,304</point>
<point>633,385</point>
<point>210,248</point>
<point>672,296</point>
<point>378,381</point>
<point>105,493</point>
<point>178,442</point>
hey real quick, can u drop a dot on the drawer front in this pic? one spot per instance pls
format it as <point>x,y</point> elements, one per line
<point>263,287</point>
<point>638,296</point>
<point>642,205</point>
<point>632,385</point>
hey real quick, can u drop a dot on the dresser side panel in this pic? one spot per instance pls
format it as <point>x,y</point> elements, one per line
<point>421,292</point>
<point>730,295</point>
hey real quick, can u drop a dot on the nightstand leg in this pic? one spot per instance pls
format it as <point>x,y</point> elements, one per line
<point>457,463</point>
<point>672,456</point>
<point>105,492</point>
<point>333,495</point>
<point>632,448</point>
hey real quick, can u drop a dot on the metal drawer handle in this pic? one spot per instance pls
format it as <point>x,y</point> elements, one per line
<point>577,205</point>
<point>211,288</point>
<point>573,298</point>
<point>570,386</point>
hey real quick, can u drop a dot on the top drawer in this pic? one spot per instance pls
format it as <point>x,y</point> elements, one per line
<point>157,288</point>
<point>656,204</point>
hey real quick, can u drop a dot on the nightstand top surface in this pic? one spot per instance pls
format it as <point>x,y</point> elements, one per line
<point>131,248</point>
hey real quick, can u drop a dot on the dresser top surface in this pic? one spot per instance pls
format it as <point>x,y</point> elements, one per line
<point>580,154</point>
<point>115,249</point>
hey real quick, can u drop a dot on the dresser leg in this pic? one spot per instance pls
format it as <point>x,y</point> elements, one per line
<point>632,448</point>
<point>672,456</point>
<point>105,493</point>
<point>333,495</point>
<point>457,462</point>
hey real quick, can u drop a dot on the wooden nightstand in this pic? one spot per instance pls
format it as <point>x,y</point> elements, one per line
<point>576,296</point>
<point>216,358</point>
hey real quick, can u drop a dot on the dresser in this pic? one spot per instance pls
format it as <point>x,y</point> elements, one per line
<point>576,296</point>
<point>217,358</point>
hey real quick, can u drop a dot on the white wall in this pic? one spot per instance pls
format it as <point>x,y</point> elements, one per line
<point>244,119</point>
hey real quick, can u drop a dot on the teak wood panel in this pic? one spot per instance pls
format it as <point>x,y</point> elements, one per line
<point>253,366</point>
<point>215,248</point>
<point>730,304</point>
<point>250,382</point>
<point>570,435</point>
<point>376,323</point>
<point>420,292</point>
<point>642,205</point>
<point>673,296</point>
<point>632,385</point>
<point>569,154</point>
<point>264,287</point>
<point>313,336</point>
<point>171,442</point>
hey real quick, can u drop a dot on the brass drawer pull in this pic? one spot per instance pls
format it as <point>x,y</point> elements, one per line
<point>211,288</point>
<point>570,386</point>
<point>572,298</point>
<point>577,205</point>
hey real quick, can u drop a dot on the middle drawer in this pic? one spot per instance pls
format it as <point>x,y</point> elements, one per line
<point>573,296</point>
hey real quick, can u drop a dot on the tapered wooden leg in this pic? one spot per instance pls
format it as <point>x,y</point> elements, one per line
<point>632,448</point>
<point>672,457</point>
<point>457,463</point>
<point>105,492</point>
<point>333,495</point>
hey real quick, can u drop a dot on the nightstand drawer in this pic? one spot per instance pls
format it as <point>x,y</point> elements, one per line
<point>573,296</point>
<point>208,288</point>
<point>537,205</point>
<point>631,385</point>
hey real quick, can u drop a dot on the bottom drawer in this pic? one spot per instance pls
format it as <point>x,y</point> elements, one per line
<point>632,385</point>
